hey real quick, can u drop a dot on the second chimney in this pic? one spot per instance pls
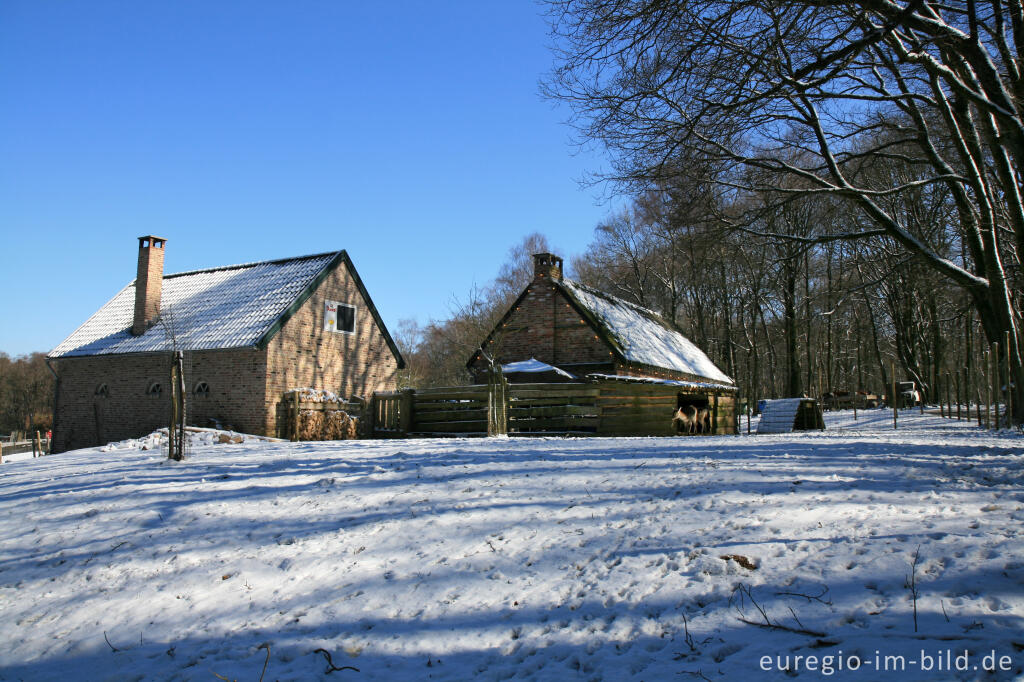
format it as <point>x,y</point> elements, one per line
<point>148,283</point>
<point>547,266</point>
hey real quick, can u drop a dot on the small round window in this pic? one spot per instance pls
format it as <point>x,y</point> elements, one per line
<point>154,390</point>
<point>201,390</point>
<point>102,391</point>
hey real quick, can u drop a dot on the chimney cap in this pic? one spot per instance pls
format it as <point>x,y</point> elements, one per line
<point>547,265</point>
<point>150,239</point>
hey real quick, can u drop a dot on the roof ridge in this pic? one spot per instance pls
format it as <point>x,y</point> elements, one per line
<point>254,263</point>
<point>599,292</point>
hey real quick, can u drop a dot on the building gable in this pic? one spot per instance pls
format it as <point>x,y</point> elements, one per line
<point>633,338</point>
<point>315,284</point>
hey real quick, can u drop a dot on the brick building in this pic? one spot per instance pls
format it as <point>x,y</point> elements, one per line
<point>584,332</point>
<point>248,333</point>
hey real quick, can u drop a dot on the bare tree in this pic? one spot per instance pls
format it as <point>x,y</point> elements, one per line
<point>812,97</point>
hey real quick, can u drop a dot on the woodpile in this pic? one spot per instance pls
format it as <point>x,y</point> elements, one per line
<point>327,425</point>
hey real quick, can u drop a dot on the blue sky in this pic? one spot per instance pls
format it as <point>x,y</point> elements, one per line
<point>410,134</point>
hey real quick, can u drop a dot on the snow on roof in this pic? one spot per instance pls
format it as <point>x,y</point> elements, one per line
<point>643,336</point>
<point>533,365</point>
<point>662,382</point>
<point>229,307</point>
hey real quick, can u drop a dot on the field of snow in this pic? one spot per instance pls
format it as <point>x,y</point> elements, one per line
<point>556,559</point>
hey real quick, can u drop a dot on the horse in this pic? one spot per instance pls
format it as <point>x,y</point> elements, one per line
<point>685,419</point>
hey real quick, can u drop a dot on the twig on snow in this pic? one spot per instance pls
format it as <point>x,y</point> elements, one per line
<point>330,662</point>
<point>267,661</point>
<point>777,626</point>
<point>820,597</point>
<point>911,582</point>
<point>112,647</point>
<point>688,636</point>
<point>745,592</point>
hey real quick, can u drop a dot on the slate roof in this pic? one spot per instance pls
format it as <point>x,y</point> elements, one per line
<point>227,307</point>
<point>636,335</point>
<point>641,336</point>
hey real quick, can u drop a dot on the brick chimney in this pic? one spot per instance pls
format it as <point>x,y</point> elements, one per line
<point>148,283</point>
<point>547,266</point>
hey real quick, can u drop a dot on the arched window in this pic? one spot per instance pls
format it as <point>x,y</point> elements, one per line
<point>154,390</point>
<point>102,391</point>
<point>201,390</point>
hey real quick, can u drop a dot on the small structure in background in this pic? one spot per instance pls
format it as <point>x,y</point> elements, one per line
<point>846,400</point>
<point>643,366</point>
<point>907,395</point>
<point>791,414</point>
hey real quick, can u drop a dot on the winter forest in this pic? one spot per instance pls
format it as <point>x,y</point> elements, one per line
<point>817,192</point>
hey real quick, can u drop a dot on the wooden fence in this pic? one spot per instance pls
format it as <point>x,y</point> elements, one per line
<point>598,408</point>
<point>18,443</point>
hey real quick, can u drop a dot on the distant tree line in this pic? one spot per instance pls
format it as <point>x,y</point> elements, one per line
<point>26,393</point>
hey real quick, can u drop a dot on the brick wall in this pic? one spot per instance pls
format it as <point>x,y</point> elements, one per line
<point>126,409</point>
<point>245,385</point>
<point>303,354</point>
<point>545,326</point>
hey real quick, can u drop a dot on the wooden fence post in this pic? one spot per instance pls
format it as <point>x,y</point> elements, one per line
<point>957,377</point>
<point>986,388</point>
<point>295,416</point>
<point>1009,381</point>
<point>993,381</point>
<point>893,398</point>
<point>405,410</point>
<point>949,401</point>
<point>370,415</point>
<point>714,417</point>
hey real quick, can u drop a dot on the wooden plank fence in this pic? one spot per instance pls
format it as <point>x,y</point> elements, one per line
<point>598,408</point>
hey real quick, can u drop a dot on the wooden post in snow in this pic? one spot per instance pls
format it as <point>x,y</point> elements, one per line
<point>893,399</point>
<point>958,396</point>
<point>949,400</point>
<point>405,411</point>
<point>1009,381</point>
<point>992,417</point>
<point>295,416</point>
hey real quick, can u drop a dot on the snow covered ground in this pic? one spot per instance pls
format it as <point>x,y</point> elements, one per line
<point>559,559</point>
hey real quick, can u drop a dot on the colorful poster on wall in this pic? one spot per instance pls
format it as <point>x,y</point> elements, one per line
<point>339,317</point>
<point>330,316</point>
